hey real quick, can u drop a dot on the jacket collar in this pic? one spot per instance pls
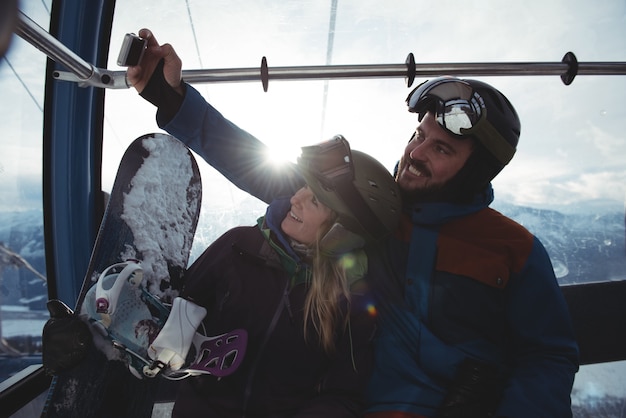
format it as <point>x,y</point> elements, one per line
<point>438,213</point>
<point>292,261</point>
<point>274,216</point>
<point>294,265</point>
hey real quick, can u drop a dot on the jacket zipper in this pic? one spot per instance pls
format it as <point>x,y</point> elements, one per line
<point>288,306</point>
<point>284,301</point>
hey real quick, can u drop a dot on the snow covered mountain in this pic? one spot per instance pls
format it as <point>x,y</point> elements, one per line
<point>22,260</point>
<point>587,245</point>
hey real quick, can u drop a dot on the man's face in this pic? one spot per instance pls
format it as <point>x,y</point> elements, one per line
<point>431,159</point>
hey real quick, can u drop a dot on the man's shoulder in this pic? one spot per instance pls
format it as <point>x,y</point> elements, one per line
<point>494,246</point>
<point>488,222</point>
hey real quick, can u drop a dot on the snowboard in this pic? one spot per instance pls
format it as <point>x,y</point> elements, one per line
<point>149,221</point>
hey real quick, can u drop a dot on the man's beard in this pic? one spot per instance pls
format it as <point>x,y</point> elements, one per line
<point>460,189</point>
<point>430,193</point>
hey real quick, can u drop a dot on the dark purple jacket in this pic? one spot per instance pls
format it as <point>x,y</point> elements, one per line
<point>248,282</point>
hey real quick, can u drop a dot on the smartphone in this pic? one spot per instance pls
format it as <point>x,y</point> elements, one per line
<point>132,50</point>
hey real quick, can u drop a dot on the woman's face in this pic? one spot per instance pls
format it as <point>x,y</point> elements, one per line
<point>306,216</point>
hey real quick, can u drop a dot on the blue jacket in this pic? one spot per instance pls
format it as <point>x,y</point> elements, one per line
<point>476,285</point>
<point>464,281</point>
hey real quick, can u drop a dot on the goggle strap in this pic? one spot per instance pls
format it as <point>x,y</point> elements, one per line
<point>491,139</point>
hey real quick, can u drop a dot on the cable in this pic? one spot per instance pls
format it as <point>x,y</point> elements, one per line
<point>193,31</point>
<point>329,56</point>
<point>23,84</point>
<point>45,6</point>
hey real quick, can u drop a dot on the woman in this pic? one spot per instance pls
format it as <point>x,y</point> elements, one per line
<point>291,286</point>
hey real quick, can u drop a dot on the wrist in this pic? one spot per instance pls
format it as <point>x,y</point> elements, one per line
<point>160,93</point>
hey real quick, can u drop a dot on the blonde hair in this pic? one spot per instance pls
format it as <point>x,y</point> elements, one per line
<point>327,287</point>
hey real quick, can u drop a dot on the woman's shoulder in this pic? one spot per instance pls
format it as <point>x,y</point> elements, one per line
<point>355,265</point>
<point>234,236</point>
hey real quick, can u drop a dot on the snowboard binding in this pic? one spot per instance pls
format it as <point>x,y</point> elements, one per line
<point>180,351</point>
<point>218,356</point>
<point>125,313</point>
<point>131,319</point>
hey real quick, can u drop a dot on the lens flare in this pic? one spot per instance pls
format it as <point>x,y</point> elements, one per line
<point>348,261</point>
<point>371,309</point>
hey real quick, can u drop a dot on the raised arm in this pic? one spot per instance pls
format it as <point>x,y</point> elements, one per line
<point>235,153</point>
<point>184,113</point>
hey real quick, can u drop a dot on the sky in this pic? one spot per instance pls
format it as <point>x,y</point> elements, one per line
<point>572,145</point>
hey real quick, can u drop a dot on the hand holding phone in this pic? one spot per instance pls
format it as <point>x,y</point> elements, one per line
<point>132,50</point>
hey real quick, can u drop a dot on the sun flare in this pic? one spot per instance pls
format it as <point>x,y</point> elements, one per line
<point>278,155</point>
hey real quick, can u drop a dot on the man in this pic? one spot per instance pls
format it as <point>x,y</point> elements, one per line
<point>473,321</point>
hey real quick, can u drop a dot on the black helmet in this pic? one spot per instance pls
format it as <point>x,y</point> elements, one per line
<point>462,107</point>
<point>500,112</point>
<point>354,185</point>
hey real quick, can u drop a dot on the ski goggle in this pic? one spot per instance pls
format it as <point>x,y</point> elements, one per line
<point>330,162</point>
<point>460,111</point>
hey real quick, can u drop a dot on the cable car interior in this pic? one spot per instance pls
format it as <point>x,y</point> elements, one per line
<point>294,72</point>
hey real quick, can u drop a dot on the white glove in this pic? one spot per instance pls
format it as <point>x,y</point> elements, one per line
<point>171,346</point>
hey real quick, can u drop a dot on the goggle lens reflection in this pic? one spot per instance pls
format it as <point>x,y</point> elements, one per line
<point>457,105</point>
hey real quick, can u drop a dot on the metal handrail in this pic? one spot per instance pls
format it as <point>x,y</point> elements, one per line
<point>87,74</point>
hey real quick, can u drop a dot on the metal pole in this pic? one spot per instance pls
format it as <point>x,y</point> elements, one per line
<point>88,75</point>
<point>400,70</point>
<point>325,72</point>
<point>34,34</point>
